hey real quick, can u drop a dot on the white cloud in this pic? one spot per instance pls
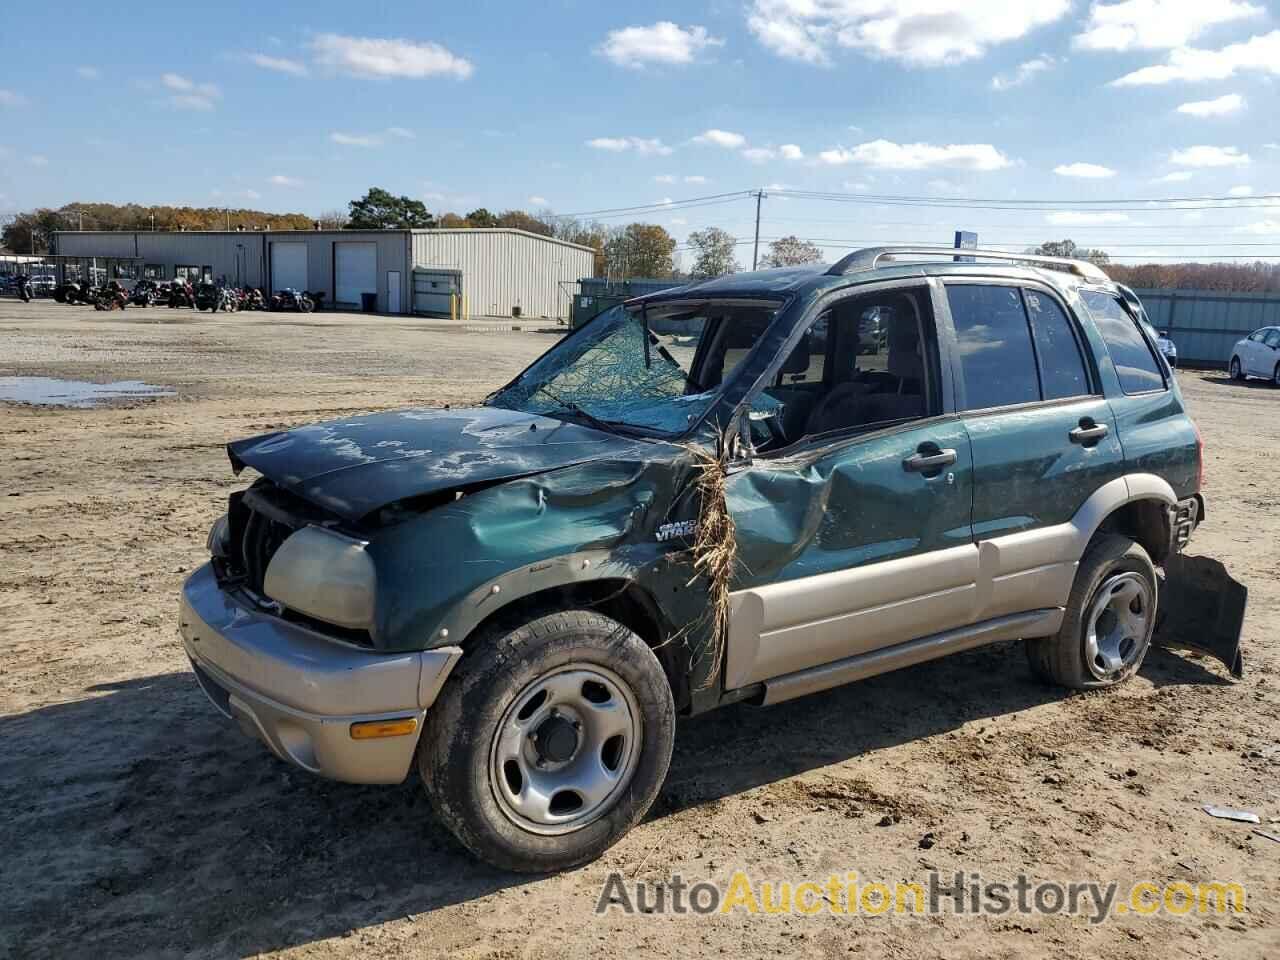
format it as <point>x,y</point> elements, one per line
<point>188,94</point>
<point>252,195</point>
<point>677,221</point>
<point>88,73</point>
<point>918,156</point>
<point>280,180</point>
<point>1023,73</point>
<point>1178,176</point>
<point>1265,228</point>
<point>665,178</point>
<point>1077,218</point>
<point>1084,171</point>
<point>790,151</point>
<point>1271,146</point>
<point>1227,104</point>
<point>538,201</point>
<point>665,201</point>
<point>402,132</point>
<point>1156,24</point>
<point>917,32</point>
<point>1261,53</point>
<point>279,64</point>
<point>1202,156</point>
<point>356,139</point>
<point>778,187</point>
<point>722,138</point>
<point>1241,191</point>
<point>696,179</point>
<point>859,186</point>
<point>376,57</point>
<point>11,98</point>
<point>642,146</point>
<point>38,160</point>
<point>759,154</point>
<point>663,42</point>
<point>945,186</point>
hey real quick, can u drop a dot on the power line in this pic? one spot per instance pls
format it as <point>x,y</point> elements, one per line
<point>1224,202</point>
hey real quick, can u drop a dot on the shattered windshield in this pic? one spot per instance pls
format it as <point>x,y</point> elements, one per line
<point>657,371</point>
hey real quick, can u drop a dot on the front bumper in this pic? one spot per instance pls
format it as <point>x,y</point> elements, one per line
<point>300,692</point>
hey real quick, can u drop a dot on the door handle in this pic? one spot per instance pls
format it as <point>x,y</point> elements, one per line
<point>1089,433</point>
<point>929,458</point>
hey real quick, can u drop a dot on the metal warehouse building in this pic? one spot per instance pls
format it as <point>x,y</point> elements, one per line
<point>499,272</point>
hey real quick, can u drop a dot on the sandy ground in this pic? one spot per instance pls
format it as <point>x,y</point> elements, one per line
<point>137,823</point>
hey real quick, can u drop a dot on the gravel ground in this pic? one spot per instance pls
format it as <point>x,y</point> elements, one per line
<point>137,823</point>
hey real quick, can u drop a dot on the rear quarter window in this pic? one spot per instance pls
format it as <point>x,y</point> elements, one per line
<point>1136,366</point>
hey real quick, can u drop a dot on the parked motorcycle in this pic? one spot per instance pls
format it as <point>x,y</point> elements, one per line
<point>111,297</point>
<point>208,297</point>
<point>291,299</point>
<point>144,293</point>
<point>254,300</point>
<point>181,294</point>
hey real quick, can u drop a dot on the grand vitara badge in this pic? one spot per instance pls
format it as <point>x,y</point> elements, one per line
<point>679,528</point>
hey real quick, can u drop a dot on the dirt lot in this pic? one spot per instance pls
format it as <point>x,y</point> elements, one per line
<point>137,823</point>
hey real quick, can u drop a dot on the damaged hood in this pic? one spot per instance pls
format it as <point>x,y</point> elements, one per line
<point>359,464</point>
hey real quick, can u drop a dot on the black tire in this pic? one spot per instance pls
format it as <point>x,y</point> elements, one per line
<point>1275,376</point>
<point>1061,659</point>
<point>454,754</point>
<point>1234,370</point>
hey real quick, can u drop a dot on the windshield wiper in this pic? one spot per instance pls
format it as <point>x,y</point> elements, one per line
<point>569,406</point>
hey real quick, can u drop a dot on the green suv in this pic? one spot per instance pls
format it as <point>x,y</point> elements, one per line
<point>708,495</point>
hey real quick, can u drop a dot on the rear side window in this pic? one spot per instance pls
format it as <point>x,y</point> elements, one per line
<point>994,344</point>
<point>1137,367</point>
<point>1062,372</point>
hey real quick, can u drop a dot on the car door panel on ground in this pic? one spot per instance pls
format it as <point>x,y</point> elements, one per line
<point>1043,437</point>
<point>857,537</point>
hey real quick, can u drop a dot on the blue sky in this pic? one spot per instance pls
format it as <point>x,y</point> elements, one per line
<point>579,106</point>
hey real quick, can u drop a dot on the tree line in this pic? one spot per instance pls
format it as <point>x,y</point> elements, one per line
<point>629,250</point>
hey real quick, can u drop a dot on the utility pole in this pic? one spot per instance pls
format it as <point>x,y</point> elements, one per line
<point>755,254</point>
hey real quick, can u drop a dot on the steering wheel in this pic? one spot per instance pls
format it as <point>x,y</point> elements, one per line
<point>766,426</point>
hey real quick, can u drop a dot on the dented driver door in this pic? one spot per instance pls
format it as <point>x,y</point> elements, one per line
<point>849,544</point>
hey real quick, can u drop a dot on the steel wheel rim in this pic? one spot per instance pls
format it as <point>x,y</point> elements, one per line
<point>1118,625</point>
<point>549,795</point>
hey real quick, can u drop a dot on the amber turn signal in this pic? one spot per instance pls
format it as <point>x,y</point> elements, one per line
<point>376,729</point>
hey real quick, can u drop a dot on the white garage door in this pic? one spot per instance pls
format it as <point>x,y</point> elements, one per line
<point>355,267</point>
<point>288,265</point>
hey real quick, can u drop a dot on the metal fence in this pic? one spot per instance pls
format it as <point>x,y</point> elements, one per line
<point>1205,324</point>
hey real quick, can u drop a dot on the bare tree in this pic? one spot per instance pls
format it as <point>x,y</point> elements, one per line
<point>790,252</point>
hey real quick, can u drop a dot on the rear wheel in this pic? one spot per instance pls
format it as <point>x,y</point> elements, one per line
<point>549,742</point>
<point>1234,369</point>
<point>1110,615</point>
<point>1275,377</point>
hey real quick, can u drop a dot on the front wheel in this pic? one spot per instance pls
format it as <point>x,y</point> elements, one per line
<point>1110,615</point>
<point>549,742</point>
<point>1234,370</point>
<point>1275,377</point>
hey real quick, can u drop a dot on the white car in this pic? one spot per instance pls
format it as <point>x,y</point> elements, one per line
<point>1257,355</point>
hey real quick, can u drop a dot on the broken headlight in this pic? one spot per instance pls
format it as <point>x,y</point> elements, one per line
<point>325,575</point>
<point>219,541</point>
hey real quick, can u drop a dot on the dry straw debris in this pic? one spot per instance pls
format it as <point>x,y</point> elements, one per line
<point>715,548</point>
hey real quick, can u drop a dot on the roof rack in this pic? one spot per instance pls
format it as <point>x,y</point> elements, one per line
<point>870,257</point>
